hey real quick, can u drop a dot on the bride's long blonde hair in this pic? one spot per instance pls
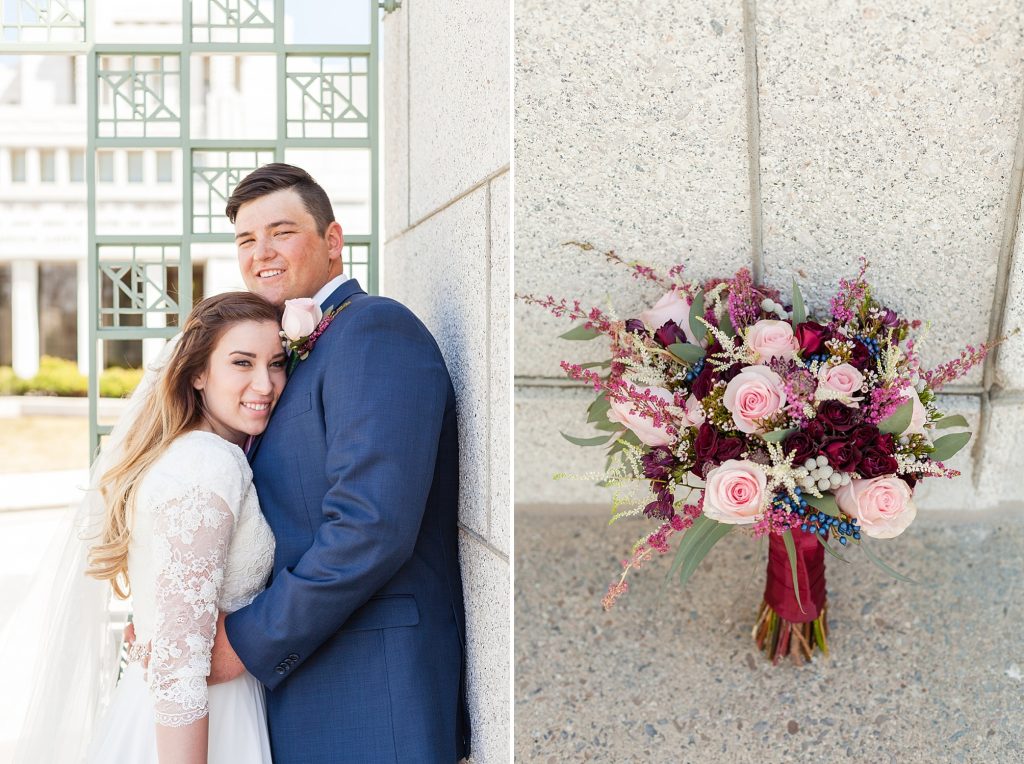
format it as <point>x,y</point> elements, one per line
<point>173,408</point>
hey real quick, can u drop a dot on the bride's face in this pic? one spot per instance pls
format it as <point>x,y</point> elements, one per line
<point>243,380</point>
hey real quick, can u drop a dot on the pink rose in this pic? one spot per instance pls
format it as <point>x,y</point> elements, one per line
<point>735,492</point>
<point>883,505</point>
<point>643,427</point>
<point>694,413</point>
<point>755,393</point>
<point>772,339</point>
<point>300,319</point>
<point>918,416</point>
<point>844,379</point>
<point>671,307</point>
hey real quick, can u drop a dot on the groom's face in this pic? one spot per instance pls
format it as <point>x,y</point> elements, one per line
<point>280,252</point>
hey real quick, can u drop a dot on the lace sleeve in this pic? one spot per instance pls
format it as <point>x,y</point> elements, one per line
<point>192,533</point>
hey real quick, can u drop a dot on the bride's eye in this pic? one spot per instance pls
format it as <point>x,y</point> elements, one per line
<point>241,362</point>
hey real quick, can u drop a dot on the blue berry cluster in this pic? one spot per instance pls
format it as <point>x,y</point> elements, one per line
<point>820,523</point>
<point>820,357</point>
<point>696,369</point>
<point>870,344</point>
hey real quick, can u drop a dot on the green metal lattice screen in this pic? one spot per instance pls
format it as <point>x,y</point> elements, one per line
<point>139,98</point>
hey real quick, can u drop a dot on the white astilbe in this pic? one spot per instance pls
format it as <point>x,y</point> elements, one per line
<point>742,354</point>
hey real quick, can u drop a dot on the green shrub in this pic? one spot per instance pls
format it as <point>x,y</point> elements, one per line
<point>10,383</point>
<point>116,382</point>
<point>57,376</point>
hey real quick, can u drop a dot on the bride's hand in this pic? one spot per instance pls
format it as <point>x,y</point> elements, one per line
<point>128,635</point>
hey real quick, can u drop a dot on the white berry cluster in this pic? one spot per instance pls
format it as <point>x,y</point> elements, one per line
<point>770,306</point>
<point>818,473</point>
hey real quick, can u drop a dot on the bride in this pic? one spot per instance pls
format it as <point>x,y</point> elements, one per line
<point>183,536</point>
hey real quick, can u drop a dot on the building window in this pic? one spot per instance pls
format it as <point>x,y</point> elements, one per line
<point>58,310</point>
<point>105,167</point>
<point>76,166</point>
<point>198,287</point>
<point>48,166</point>
<point>135,174</point>
<point>17,165</point>
<point>164,167</point>
<point>6,317</point>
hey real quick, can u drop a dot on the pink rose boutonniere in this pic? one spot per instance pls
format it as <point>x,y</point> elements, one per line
<point>301,326</point>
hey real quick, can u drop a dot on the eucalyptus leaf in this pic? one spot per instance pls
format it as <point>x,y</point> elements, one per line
<point>607,426</point>
<point>701,525</point>
<point>686,352</point>
<point>580,333</point>
<point>630,437</point>
<point>787,539</point>
<point>899,421</point>
<point>956,420</point>
<point>598,410</point>
<point>878,561</point>
<point>697,310</point>
<point>776,436</point>
<point>826,504</point>
<point>725,324</point>
<point>829,549</point>
<point>948,445</point>
<point>600,440</point>
<point>799,309</point>
<point>700,551</point>
<point>596,365</point>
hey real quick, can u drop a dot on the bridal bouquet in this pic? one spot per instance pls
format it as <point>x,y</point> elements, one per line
<point>730,405</point>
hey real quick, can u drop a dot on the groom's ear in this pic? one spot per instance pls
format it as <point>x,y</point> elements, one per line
<point>335,240</point>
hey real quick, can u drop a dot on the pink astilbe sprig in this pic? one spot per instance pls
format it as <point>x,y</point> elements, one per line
<point>656,544</point>
<point>593,318</point>
<point>884,401</point>
<point>744,300</point>
<point>799,385</point>
<point>638,270</point>
<point>952,370</point>
<point>850,295</point>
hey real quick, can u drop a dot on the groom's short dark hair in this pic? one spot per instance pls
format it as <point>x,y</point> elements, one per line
<point>277,177</point>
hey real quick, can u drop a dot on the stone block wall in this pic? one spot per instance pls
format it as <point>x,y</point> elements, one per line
<point>446,254</point>
<point>790,137</point>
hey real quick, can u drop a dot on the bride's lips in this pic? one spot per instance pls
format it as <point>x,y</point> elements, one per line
<point>258,408</point>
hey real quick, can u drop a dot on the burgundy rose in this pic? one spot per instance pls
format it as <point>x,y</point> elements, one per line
<point>728,374</point>
<point>706,442</point>
<point>815,430</point>
<point>864,435</point>
<point>669,334</point>
<point>803,446</point>
<point>636,326</point>
<point>841,454</point>
<point>728,448</point>
<point>860,356</point>
<point>887,443</point>
<point>812,337</point>
<point>836,417</point>
<point>875,463</point>
<point>703,383</point>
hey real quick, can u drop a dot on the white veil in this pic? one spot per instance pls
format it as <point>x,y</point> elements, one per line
<point>66,636</point>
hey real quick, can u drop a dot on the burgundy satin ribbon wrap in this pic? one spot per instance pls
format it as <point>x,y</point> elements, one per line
<point>810,573</point>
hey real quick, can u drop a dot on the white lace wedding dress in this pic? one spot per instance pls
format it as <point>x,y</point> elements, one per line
<point>199,546</point>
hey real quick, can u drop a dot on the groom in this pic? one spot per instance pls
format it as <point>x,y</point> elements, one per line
<point>360,634</point>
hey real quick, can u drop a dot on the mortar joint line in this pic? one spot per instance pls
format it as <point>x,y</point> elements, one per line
<point>753,138</point>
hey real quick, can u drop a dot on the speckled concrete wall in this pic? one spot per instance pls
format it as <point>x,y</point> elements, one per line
<point>788,136</point>
<point>446,255</point>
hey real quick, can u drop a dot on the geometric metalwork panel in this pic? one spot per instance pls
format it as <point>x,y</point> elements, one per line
<point>139,96</point>
<point>232,21</point>
<point>328,96</point>
<point>134,285</point>
<point>214,176</point>
<point>43,20</point>
<point>356,260</point>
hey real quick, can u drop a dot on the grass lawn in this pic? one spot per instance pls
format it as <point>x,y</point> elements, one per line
<point>41,443</point>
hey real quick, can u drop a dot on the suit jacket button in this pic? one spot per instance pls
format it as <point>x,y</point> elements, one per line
<point>293,657</point>
<point>280,669</point>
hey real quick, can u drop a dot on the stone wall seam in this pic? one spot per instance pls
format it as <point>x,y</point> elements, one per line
<point>488,334</point>
<point>753,137</point>
<point>454,200</point>
<point>1004,267</point>
<point>480,541</point>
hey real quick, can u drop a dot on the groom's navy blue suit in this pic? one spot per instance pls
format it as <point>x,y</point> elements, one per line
<point>360,635</point>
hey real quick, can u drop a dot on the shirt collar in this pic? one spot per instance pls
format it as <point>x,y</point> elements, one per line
<point>328,289</point>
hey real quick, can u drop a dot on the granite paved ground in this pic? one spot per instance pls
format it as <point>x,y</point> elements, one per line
<point>926,673</point>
